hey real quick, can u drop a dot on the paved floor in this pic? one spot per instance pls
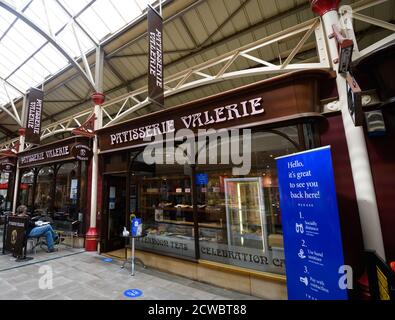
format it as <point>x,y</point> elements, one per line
<point>86,276</point>
<point>8,262</point>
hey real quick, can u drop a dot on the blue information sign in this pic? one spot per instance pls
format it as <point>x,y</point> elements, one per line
<point>133,293</point>
<point>201,179</point>
<point>312,238</point>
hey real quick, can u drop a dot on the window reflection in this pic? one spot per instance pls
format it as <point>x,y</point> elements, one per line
<point>43,194</point>
<point>239,216</point>
<point>161,194</point>
<point>66,190</point>
<point>26,189</point>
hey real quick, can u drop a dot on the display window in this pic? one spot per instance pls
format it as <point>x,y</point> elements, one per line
<point>43,193</point>
<point>239,216</point>
<point>26,189</point>
<point>57,192</point>
<point>4,180</point>
<point>66,189</point>
<point>205,210</point>
<point>161,195</point>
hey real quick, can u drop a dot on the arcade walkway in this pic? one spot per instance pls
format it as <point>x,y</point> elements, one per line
<point>87,276</point>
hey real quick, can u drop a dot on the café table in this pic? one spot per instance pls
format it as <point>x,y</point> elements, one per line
<point>133,260</point>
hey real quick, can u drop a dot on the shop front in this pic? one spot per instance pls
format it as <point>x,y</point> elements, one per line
<point>7,176</point>
<point>53,181</point>
<point>219,204</point>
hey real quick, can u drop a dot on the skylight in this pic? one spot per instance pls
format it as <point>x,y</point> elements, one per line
<point>27,58</point>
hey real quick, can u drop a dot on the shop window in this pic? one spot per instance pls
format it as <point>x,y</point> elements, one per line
<point>161,195</point>
<point>66,190</point>
<point>26,189</point>
<point>4,185</point>
<point>239,216</point>
<point>83,188</point>
<point>43,198</point>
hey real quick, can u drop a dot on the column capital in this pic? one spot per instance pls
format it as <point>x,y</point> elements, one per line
<point>98,98</point>
<point>321,7</point>
<point>22,131</point>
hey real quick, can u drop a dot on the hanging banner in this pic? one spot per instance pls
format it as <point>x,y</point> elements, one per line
<point>155,57</point>
<point>35,100</point>
<point>312,236</point>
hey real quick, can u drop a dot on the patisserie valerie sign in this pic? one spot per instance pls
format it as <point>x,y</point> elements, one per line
<point>45,155</point>
<point>223,114</point>
<point>69,150</point>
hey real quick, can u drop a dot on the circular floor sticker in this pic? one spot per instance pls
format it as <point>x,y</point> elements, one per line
<point>133,293</point>
<point>107,260</point>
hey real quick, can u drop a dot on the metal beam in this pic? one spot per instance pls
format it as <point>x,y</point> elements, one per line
<point>115,71</point>
<point>73,92</point>
<point>11,85</point>
<point>46,36</point>
<point>8,132</point>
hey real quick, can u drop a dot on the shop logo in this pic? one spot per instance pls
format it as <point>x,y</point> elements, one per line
<point>7,167</point>
<point>14,237</point>
<point>214,147</point>
<point>81,152</point>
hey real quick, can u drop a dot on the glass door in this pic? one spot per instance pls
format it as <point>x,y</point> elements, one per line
<point>114,212</point>
<point>246,223</point>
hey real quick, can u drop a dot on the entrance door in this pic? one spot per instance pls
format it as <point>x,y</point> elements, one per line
<point>114,213</point>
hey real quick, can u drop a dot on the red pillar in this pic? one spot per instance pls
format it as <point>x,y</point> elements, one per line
<point>92,235</point>
<point>321,7</point>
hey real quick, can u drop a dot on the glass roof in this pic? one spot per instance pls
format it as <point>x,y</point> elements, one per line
<point>27,58</point>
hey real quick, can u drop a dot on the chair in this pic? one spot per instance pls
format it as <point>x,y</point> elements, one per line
<point>36,242</point>
<point>67,229</point>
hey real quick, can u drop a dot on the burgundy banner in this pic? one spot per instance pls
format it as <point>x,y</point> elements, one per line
<point>33,116</point>
<point>155,57</point>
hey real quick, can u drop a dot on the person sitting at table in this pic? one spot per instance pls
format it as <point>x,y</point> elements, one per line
<point>34,231</point>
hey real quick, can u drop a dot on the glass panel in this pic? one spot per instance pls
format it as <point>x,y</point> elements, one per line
<point>4,185</point>
<point>43,195</point>
<point>239,216</point>
<point>161,195</point>
<point>245,213</point>
<point>83,193</point>
<point>26,189</point>
<point>19,41</point>
<point>116,208</point>
<point>66,192</point>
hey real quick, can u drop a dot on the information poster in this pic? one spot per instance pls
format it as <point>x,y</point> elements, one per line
<point>312,237</point>
<point>73,189</point>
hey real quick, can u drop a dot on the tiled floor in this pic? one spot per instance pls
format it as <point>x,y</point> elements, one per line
<point>86,276</point>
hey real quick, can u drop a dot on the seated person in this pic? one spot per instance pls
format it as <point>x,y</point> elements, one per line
<point>34,231</point>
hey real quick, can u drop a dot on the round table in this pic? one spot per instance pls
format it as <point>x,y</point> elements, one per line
<point>133,259</point>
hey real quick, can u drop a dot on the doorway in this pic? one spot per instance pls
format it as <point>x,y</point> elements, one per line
<point>114,217</point>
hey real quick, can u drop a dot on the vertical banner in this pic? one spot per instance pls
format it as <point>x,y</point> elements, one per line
<point>35,100</point>
<point>155,57</point>
<point>312,236</point>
